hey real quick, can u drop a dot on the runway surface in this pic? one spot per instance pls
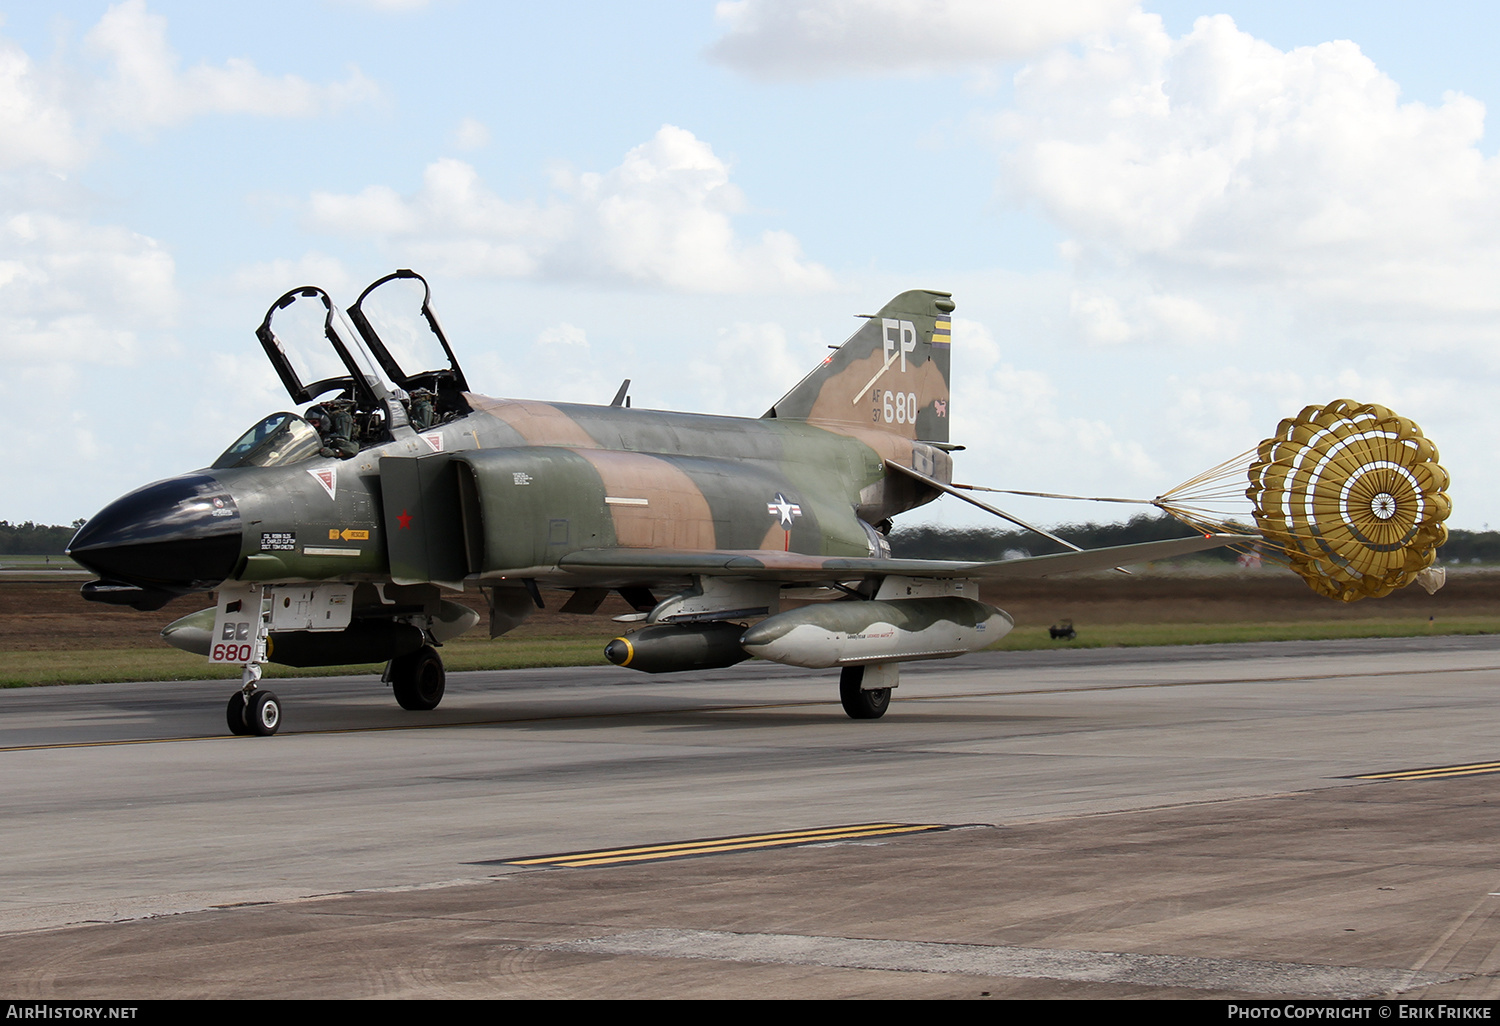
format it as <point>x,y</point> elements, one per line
<point>1142,822</point>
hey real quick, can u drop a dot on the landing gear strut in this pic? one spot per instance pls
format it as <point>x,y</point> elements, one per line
<point>417,679</point>
<point>859,702</point>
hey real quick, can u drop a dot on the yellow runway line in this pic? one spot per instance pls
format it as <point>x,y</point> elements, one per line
<point>717,845</point>
<point>1473,769</point>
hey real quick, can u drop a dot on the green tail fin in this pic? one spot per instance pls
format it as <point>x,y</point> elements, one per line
<point>892,374</point>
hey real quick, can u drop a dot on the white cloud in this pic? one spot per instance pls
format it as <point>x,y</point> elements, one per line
<point>1141,314</point>
<point>275,277</point>
<point>35,126</point>
<point>559,366</point>
<point>471,135</point>
<point>663,217</point>
<point>719,371</point>
<point>995,399</point>
<point>453,223</point>
<point>79,299</point>
<point>72,291</point>
<point>1204,175</point>
<point>78,302</point>
<point>53,117</point>
<point>146,87</point>
<point>801,39</point>
<point>564,334</point>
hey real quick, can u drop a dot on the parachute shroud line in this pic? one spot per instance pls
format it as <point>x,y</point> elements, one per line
<point>1349,496</point>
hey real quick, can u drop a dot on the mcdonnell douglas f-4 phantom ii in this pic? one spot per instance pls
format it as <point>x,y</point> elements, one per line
<point>332,536</point>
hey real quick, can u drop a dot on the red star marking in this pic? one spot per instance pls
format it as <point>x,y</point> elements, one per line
<point>405,519</point>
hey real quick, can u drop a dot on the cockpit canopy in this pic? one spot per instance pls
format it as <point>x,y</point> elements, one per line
<point>315,351</point>
<point>279,440</point>
<point>395,317</point>
<point>394,342</point>
<point>384,367</point>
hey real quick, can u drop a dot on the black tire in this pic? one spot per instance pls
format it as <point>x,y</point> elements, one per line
<point>418,679</point>
<point>235,714</point>
<point>263,713</point>
<point>859,703</point>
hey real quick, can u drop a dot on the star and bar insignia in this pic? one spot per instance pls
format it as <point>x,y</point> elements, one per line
<point>784,510</point>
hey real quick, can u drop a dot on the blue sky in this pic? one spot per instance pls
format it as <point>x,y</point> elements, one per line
<point>1163,234</point>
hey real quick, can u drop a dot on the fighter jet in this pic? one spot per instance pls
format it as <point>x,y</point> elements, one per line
<point>338,535</point>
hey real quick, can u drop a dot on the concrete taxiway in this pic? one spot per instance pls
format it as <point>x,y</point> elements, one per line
<point>1198,821</point>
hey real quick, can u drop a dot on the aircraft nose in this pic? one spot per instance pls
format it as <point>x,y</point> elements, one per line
<point>177,535</point>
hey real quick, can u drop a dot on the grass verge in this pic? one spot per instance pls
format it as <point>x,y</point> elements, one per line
<point>109,665</point>
<point>97,666</point>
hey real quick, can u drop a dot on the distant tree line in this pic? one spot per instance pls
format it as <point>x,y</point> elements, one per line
<point>1468,546</point>
<point>923,541</point>
<point>926,541</point>
<point>30,539</point>
<point>989,543</point>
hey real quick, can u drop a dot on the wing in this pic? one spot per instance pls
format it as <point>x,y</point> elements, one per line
<point>615,567</point>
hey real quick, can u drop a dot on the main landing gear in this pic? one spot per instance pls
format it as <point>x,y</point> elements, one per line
<point>861,703</point>
<point>417,679</point>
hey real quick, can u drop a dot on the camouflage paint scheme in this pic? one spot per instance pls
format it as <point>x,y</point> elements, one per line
<point>718,513</point>
<point>880,631</point>
<point>571,495</point>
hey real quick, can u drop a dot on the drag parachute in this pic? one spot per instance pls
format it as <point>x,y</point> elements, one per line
<point>1348,495</point>
<point>1353,496</point>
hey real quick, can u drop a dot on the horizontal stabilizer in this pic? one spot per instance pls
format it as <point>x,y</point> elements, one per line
<point>1106,559</point>
<point>610,565</point>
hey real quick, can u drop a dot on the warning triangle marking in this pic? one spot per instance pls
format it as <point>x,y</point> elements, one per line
<point>328,478</point>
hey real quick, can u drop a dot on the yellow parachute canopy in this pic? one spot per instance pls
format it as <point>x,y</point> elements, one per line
<point>1353,496</point>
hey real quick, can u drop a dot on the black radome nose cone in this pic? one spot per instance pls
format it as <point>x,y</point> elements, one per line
<point>178,535</point>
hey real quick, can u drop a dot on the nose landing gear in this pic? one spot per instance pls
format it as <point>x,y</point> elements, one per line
<point>252,710</point>
<point>243,623</point>
<point>258,713</point>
